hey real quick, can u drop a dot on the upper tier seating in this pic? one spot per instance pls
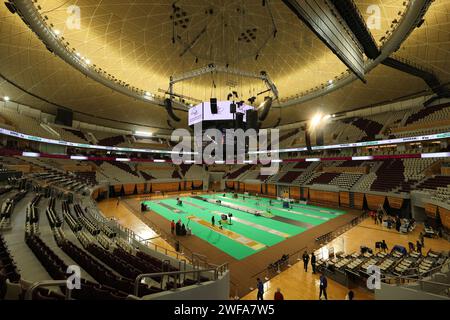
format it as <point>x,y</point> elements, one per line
<point>371,128</point>
<point>26,124</point>
<point>72,135</point>
<point>235,174</point>
<point>436,112</point>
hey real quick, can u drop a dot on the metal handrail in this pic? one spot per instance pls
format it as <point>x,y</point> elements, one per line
<point>132,235</point>
<point>51,283</point>
<point>217,271</point>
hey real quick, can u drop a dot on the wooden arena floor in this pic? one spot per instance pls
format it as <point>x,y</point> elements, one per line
<point>294,282</point>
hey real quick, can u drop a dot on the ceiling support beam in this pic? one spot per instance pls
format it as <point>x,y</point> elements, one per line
<point>428,76</point>
<point>321,17</point>
<point>351,15</point>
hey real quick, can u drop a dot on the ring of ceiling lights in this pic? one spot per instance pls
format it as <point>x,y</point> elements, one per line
<point>414,12</point>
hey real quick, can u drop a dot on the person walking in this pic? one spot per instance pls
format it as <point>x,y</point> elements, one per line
<point>305,261</point>
<point>323,286</point>
<point>278,295</point>
<point>260,286</point>
<point>213,221</point>
<point>313,263</point>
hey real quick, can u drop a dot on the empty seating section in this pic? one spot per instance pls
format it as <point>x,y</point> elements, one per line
<point>146,176</point>
<point>435,182</point>
<point>111,141</point>
<point>7,209</point>
<point>289,176</point>
<point>89,177</point>
<point>8,267</point>
<point>193,172</point>
<point>369,127</point>
<point>323,178</point>
<point>25,124</point>
<point>437,112</point>
<point>235,174</point>
<point>389,176</point>
<point>415,167</point>
<point>346,180</point>
<point>161,171</point>
<point>71,135</point>
<point>119,172</point>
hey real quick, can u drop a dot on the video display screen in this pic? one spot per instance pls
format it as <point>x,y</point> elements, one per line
<point>202,112</point>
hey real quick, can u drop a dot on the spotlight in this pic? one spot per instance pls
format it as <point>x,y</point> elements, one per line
<point>315,121</point>
<point>6,98</point>
<point>57,32</point>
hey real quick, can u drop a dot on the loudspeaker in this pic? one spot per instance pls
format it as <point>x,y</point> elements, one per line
<point>213,102</point>
<point>239,121</point>
<point>252,119</point>
<point>233,108</point>
<point>267,104</point>
<point>64,117</point>
<point>319,136</point>
<point>307,139</point>
<point>169,109</point>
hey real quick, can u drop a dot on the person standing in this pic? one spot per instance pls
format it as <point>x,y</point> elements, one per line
<point>384,246</point>
<point>260,286</point>
<point>305,261</point>
<point>419,247</point>
<point>172,227</point>
<point>350,295</point>
<point>278,295</point>
<point>422,239</point>
<point>313,263</point>
<point>323,286</point>
<point>213,221</point>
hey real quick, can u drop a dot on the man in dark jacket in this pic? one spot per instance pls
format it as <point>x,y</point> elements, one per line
<point>323,286</point>
<point>313,262</point>
<point>260,287</point>
<point>305,261</point>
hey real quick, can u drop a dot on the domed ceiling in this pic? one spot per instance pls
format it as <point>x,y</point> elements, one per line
<point>143,43</point>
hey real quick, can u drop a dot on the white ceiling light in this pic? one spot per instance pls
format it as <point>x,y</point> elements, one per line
<point>315,121</point>
<point>143,134</point>
<point>57,32</point>
<point>6,98</point>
